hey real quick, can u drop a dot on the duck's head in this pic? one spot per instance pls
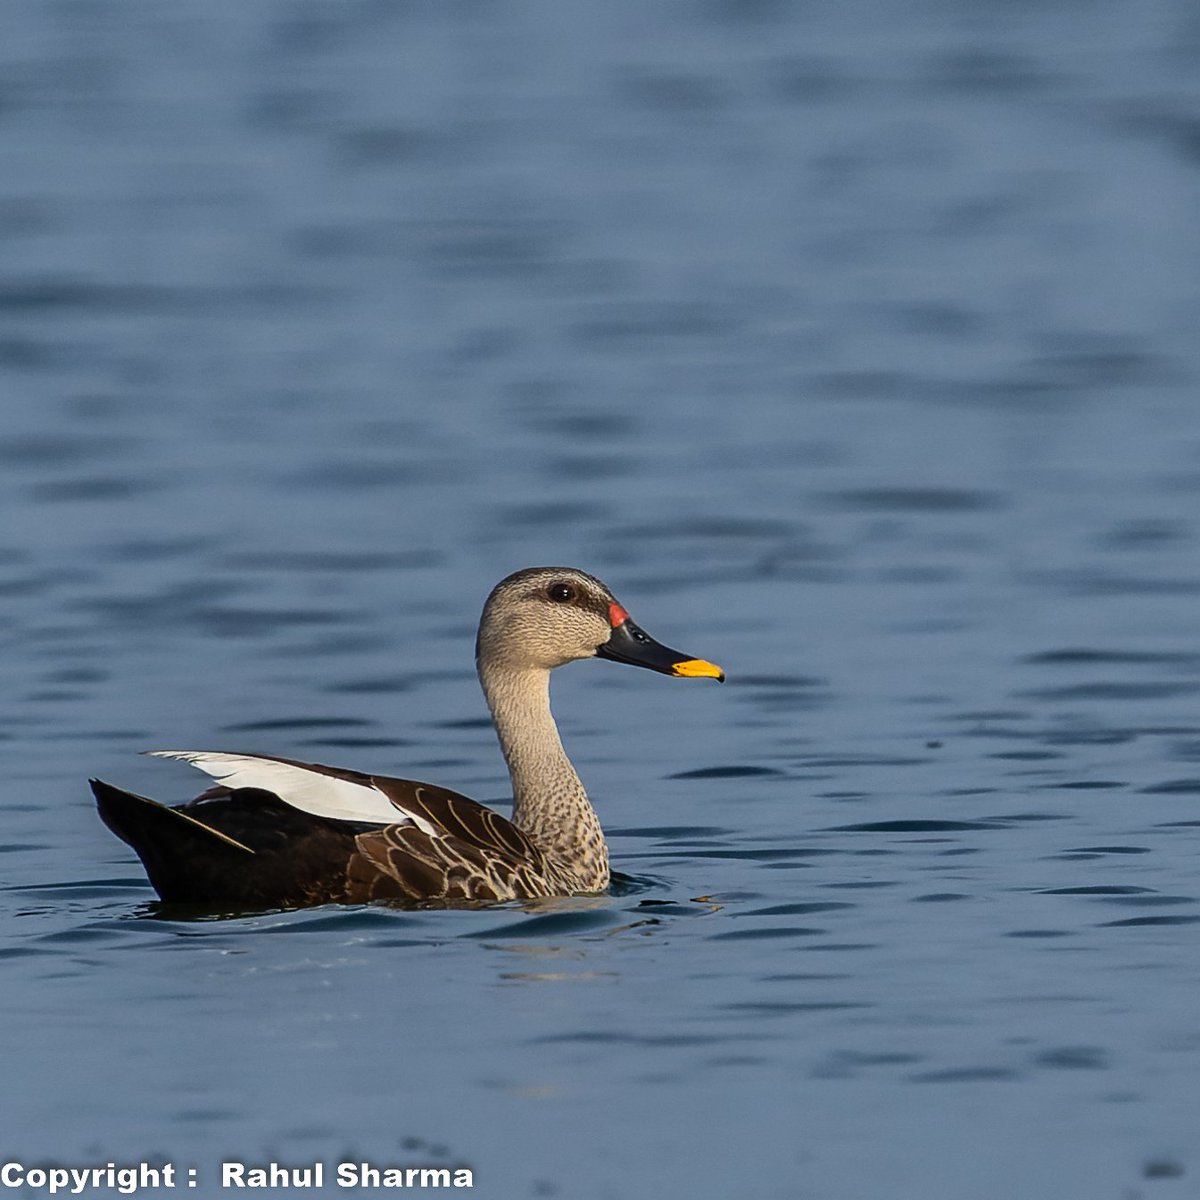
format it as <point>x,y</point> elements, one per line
<point>542,617</point>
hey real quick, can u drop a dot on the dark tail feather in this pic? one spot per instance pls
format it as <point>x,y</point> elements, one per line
<point>170,843</point>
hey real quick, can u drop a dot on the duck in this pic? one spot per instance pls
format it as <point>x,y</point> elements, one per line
<point>278,833</point>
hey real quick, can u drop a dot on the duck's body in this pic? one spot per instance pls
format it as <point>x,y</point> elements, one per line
<point>247,846</point>
<point>279,833</point>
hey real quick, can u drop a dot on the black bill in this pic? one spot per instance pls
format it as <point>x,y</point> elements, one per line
<point>631,644</point>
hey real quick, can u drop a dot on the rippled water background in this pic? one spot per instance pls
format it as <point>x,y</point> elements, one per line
<point>855,346</point>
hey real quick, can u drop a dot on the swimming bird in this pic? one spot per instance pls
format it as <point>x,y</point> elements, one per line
<point>279,833</point>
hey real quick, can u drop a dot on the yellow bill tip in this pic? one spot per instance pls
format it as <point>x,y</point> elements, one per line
<point>697,667</point>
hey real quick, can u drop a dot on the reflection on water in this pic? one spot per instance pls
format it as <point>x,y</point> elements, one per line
<point>856,350</point>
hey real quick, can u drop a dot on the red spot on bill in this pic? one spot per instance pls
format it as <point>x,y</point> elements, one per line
<point>616,614</point>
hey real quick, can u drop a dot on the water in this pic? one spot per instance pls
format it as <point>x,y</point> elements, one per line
<point>854,347</point>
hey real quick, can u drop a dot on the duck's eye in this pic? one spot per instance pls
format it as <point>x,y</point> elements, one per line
<point>562,592</point>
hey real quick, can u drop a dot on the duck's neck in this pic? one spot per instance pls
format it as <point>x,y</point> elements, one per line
<point>549,803</point>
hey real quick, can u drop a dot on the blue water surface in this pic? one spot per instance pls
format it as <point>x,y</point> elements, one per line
<point>854,345</point>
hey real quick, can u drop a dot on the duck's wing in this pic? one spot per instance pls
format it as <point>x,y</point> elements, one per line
<point>429,842</point>
<point>331,792</point>
<point>473,854</point>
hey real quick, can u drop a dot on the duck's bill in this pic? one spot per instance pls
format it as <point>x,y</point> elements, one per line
<point>631,644</point>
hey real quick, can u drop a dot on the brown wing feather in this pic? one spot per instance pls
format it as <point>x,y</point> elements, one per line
<point>459,817</point>
<point>475,855</point>
<point>456,814</point>
<point>407,863</point>
<point>391,868</point>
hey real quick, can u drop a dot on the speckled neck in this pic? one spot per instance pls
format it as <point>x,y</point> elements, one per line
<point>549,803</point>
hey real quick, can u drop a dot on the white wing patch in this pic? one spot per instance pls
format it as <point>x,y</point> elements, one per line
<point>307,790</point>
